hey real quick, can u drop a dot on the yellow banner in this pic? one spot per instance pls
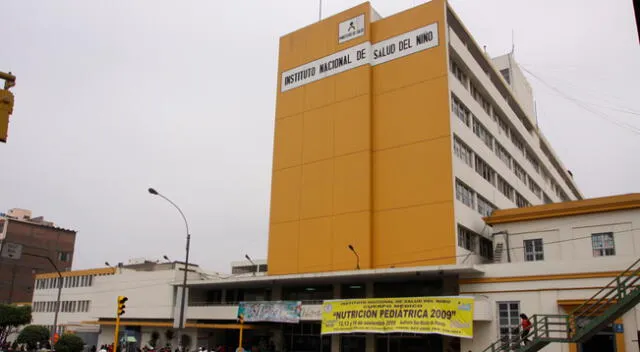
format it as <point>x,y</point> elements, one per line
<point>452,316</point>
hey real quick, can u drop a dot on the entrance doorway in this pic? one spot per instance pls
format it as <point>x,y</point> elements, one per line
<point>604,341</point>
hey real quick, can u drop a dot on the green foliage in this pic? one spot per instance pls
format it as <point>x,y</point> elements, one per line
<point>69,343</point>
<point>12,316</point>
<point>155,336</point>
<point>32,334</point>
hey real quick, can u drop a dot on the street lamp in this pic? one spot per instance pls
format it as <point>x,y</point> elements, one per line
<point>252,263</point>
<point>186,261</point>
<point>357,256</point>
<point>57,307</point>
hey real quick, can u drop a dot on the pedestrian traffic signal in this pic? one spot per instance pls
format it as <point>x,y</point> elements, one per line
<point>121,301</point>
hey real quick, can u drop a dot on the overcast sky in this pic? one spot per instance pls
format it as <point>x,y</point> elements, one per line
<point>115,96</point>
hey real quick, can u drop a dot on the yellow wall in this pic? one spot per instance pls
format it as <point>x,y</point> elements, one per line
<point>363,157</point>
<point>413,194</point>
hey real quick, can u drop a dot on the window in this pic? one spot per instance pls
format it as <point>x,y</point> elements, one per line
<point>482,133</point>
<point>520,173</point>
<point>533,161</point>
<point>64,256</point>
<point>533,250</point>
<point>505,188</point>
<point>546,176</point>
<point>517,142</point>
<point>465,194</point>
<point>503,127</point>
<point>535,188</point>
<point>509,319</point>
<point>546,199</point>
<point>505,75</point>
<point>485,208</point>
<point>477,95</point>
<point>462,151</point>
<point>459,74</point>
<point>460,110</point>
<point>503,155</point>
<point>467,239</point>
<point>486,248</point>
<point>521,201</point>
<point>603,244</point>
<point>484,170</point>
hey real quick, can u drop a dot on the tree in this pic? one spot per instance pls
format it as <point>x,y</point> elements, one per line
<point>12,316</point>
<point>154,338</point>
<point>31,335</point>
<point>69,343</point>
<point>169,334</point>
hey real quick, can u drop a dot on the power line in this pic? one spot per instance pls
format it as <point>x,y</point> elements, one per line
<point>511,248</point>
<point>464,255</point>
<point>585,106</point>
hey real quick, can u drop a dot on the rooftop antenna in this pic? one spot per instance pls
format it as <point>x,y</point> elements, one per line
<point>513,42</point>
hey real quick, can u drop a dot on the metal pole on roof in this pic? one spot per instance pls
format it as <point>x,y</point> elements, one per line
<point>320,11</point>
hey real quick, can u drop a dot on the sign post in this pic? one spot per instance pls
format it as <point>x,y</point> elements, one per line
<point>240,348</point>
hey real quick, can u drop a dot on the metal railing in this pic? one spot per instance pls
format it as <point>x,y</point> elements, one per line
<point>613,300</point>
<point>606,303</point>
<point>544,329</point>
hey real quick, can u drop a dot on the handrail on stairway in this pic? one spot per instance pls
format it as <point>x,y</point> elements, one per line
<point>613,288</point>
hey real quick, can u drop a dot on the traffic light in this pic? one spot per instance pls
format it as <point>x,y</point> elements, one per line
<point>121,301</point>
<point>6,104</point>
<point>6,108</point>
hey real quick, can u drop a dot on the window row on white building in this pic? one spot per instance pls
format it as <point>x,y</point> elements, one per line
<point>471,121</point>
<point>69,281</point>
<point>65,306</point>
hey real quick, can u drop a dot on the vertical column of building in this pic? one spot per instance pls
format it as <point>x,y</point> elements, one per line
<point>321,188</point>
<point>413,188</point>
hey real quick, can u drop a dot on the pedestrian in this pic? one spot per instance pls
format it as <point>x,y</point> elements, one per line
<point>525,325</point>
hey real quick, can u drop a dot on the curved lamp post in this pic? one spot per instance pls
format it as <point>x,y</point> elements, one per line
<point>186,261</point>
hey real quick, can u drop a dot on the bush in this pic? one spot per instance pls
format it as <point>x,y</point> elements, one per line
<point>31,335</point>
<point>69,343</point>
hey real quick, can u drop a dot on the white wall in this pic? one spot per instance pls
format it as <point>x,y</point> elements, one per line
<point>519,84</point>
<point>150,296</point>
<point>542,296</point>
<point>569,238</point>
